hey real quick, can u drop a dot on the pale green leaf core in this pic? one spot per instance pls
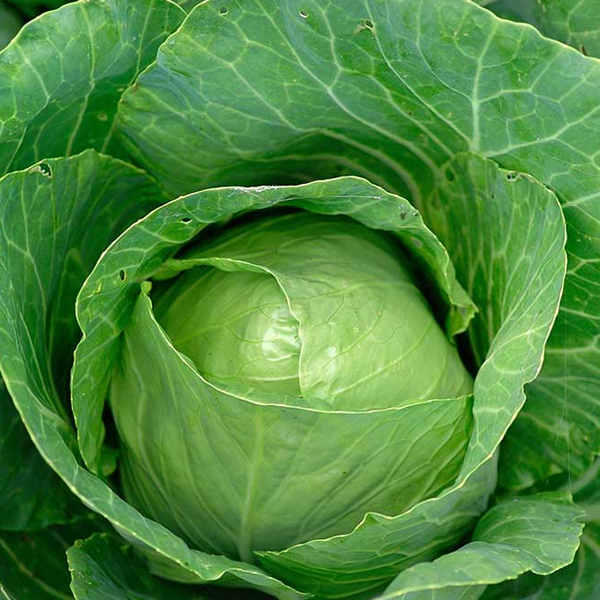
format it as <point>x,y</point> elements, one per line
<point>235,326</point>
<point>310,306</point>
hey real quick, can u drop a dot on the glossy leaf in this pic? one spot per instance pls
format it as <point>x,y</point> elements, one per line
<point>368,88</point>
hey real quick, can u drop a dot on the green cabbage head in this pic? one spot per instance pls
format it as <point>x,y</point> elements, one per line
<point>300,297</point>
<point>318,313</point>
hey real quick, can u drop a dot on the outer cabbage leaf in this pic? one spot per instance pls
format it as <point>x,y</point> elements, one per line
<point>33,565</point>
<point>373,88</point>
<point>536,533</point>
<point>10,23</point>
<point>103,567</point>
<point>574,23</point>
<point>31,495</point>
<point>62,76</point>
<point>579,581</point>
<point>400,142</point>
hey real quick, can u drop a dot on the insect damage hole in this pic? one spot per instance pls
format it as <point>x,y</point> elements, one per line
<point>303,14</point>
<point>43,169</point>
<point>122,275</point>
<point>223,11</point>
<point>186,220</point>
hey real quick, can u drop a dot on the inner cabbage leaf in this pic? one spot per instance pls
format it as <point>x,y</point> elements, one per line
<point>312,306</point>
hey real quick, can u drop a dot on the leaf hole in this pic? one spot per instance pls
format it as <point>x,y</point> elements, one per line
<point>44,169</point>
<point>122,275</point>
<point>186,220</point>
<point>223,11</point>
<point>303,14</point>
<point>369,24</point>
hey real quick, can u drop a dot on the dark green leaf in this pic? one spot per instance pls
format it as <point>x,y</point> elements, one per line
<point>103,567</point>
<point>10,23</point>
<point>31,494</point>
<point>33,565</point>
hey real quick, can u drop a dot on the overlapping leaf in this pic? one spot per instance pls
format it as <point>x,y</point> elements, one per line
<point>31,494</point>
<point>574,23</point>
<point>369,88</point>
<point>63,75</point>
<point>373,88</point>
<point>33,565</point>
<point>501,548</point>
<point>103,567</point>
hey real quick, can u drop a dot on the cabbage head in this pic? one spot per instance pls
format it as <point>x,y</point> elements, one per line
<point>299,299</point>
<point>312,367</point>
